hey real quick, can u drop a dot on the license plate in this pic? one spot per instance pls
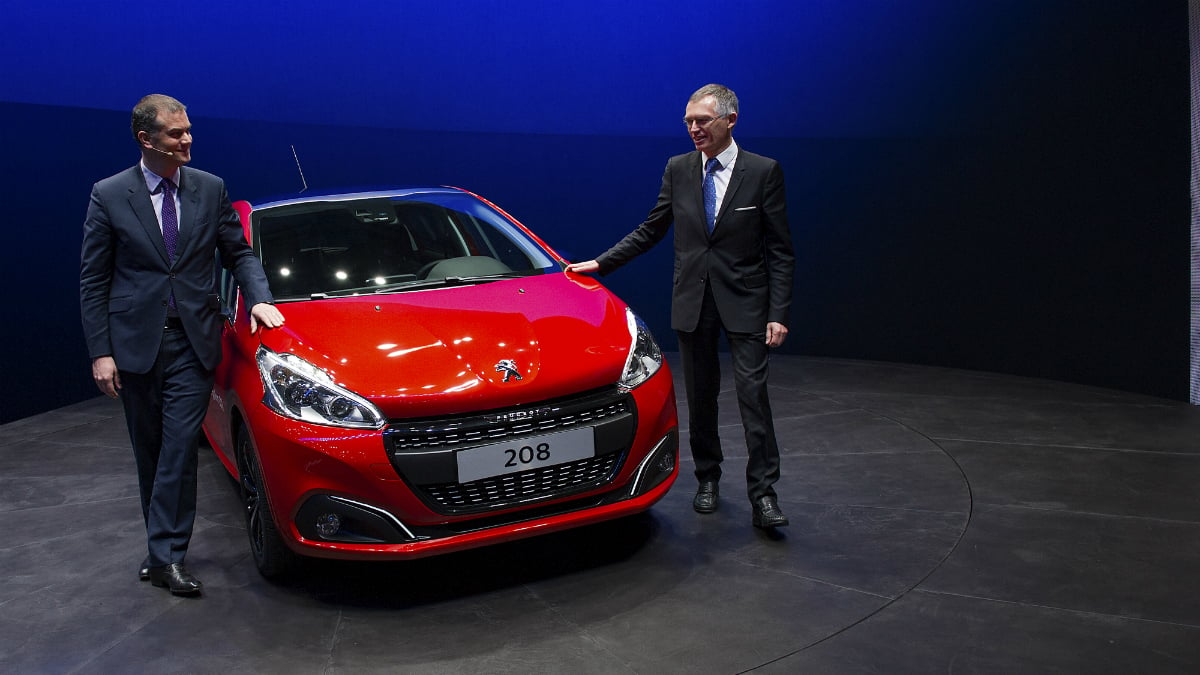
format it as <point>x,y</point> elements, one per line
<point>522,455</point>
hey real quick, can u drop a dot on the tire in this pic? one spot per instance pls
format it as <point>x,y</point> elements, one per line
<point>274,560</point>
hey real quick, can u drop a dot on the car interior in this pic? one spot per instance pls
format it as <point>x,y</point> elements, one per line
<point>365,245</point>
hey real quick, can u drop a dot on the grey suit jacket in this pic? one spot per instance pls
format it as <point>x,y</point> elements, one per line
<point>747,261</point>
<point>126,278</point>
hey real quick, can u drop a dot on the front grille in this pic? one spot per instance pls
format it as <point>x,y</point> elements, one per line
<point>480,430</point>
<point>524,486</point>
<point>424,452</point>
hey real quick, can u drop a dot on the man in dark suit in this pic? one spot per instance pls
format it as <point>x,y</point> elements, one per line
<point>151,241</point>
<point>733,272</point>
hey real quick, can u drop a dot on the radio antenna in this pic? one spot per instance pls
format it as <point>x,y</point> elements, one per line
<point>300,169</point>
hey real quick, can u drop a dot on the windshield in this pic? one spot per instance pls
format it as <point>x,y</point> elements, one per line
<point>378,244</point>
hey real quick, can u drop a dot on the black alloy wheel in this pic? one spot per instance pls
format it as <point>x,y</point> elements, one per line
<point>272,557</point>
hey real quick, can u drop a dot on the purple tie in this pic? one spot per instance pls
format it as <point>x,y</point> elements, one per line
<point>170,227</point>
<point>710,193</point>
<point>170,221</point>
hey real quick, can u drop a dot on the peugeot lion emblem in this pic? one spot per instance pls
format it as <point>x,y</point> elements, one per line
<point>509,368</point>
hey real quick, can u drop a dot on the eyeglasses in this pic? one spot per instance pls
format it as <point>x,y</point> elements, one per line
<point>701,121</point>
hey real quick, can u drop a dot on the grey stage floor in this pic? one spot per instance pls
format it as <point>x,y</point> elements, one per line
<point>942,521</point>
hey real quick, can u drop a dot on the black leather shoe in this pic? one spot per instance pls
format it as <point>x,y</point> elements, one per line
<point>175,577</point>
<point>706,497</point>
<point>144,570</point>
<point>767,514</point>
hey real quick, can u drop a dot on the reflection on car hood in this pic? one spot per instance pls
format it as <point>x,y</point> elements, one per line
<point>451,350</point>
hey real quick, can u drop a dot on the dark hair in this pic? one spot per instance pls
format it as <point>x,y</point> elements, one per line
<point>726,100</point>
<point>145,113</point>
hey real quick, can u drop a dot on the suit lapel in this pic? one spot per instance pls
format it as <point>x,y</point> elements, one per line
<point>189,209</point>
<point>143,208</point>
<point>696,185</point>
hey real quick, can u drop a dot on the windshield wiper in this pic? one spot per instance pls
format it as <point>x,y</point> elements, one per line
<point>404,287</point>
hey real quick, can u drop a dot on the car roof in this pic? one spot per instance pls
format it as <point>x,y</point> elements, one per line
<point>344,195</point>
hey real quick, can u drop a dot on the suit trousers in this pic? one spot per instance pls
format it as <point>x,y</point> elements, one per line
<point>702,380</point>
<point>164,409</point>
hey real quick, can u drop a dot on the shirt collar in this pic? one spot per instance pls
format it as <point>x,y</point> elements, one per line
<point>727,156</point>
<point>153,179</point>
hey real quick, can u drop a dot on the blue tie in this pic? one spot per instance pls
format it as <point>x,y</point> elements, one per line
<point>710,193</point>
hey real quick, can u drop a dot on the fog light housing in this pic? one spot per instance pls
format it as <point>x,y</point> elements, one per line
<point>328,524</point>
<point>336,519</point>
<point>666,462</point>
<point>657,467</point>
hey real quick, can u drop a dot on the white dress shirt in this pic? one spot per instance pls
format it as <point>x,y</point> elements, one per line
<point>156,195</point>
<point>727,158</point>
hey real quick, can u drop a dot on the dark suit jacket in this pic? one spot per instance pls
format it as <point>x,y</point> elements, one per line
<point>126,280</point>
<point>748,260</point>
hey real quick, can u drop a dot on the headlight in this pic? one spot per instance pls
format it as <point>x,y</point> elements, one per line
<point>645,358</point>
<point>296,388</point>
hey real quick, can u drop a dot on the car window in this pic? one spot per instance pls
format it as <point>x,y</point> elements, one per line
<point>373,244</point>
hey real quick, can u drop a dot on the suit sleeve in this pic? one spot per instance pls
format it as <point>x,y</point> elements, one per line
<point>645,236</point>
<point>239,258</point>
<point>97,256</point>
<point>780,258</point>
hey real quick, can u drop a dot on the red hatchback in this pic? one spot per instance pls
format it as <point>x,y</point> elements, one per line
<point>441,384</point>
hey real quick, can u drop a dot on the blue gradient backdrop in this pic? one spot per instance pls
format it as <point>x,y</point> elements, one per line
<point>992,185</point>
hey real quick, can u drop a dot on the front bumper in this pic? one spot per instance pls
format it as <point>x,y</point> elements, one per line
<point>358,494</point>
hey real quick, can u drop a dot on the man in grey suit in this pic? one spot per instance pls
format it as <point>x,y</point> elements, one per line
<point>733,273</point>
<point>151,241</point>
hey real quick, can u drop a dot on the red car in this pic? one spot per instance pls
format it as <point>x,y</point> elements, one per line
<point>440,384</point>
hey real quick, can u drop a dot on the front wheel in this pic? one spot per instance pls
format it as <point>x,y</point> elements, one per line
<point>272,557</point>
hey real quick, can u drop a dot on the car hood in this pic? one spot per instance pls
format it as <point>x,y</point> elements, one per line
<point>466,348</point>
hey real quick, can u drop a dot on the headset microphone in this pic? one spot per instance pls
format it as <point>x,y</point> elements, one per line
<point>168,154</point>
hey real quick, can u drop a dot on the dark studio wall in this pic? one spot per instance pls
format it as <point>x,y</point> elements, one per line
<point>1001,186</point>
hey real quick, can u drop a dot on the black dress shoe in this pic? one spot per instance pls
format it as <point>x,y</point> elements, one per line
<point>175,577</point>
<point>767,513</point>
<point>144,570</point>
<point>706,497</point>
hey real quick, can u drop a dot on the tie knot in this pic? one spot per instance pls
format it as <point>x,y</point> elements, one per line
<point>166,186</point>
<point>712,165</point>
